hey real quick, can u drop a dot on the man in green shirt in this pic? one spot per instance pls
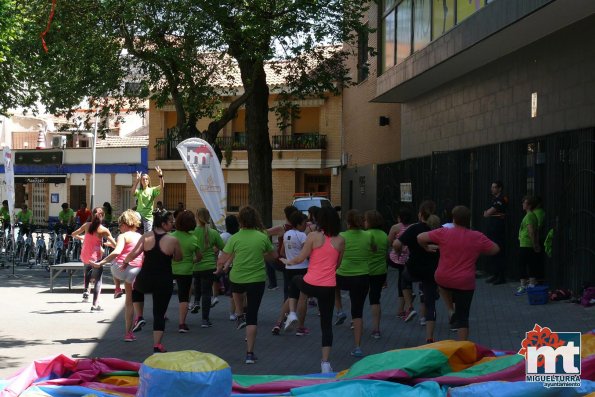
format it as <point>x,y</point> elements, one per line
<point>24,219</point>
<point>5,216</point>
<point>66,219</point>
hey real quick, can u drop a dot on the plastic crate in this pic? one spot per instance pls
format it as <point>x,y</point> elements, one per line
<point>538,295</point>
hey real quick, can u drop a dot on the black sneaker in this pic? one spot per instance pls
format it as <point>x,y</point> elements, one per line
<point>183,328</point>
<point>206,324</point>
<point>241,321</point>
<point>251,358</point>
<point>96,308</point>
<point>195,309</point>
<point>85,296</point>
<point>138,324</point>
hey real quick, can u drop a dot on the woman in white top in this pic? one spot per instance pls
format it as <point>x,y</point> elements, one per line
<point>293,242</point>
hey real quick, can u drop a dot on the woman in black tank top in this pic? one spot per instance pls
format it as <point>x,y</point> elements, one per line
<point>155,276</point>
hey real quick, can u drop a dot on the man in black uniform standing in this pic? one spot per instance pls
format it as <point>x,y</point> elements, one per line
<point>496,231</point>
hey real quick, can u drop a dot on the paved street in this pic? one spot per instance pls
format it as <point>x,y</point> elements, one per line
<point>37,323</point>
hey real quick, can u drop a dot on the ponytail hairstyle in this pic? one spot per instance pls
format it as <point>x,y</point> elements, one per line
<point>161,217</point>
<point>204,218</point>
<point>96,219</point>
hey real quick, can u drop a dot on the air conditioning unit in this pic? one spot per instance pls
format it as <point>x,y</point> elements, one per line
<point>59,141</point>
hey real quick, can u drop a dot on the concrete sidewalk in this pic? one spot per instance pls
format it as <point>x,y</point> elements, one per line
<point>37,323</point>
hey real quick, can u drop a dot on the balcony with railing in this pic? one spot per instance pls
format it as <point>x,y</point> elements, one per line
<point>299,141</point>
<point>166,148</point>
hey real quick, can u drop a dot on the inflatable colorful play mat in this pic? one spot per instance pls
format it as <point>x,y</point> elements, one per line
<point>446,368</point>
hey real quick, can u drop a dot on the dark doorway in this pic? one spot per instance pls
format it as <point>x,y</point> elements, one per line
<point>78,194</point>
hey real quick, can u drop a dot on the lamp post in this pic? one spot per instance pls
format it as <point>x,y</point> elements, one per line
<point>94,151</point>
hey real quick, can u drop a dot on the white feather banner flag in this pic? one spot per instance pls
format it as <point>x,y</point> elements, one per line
<point>204,168</point>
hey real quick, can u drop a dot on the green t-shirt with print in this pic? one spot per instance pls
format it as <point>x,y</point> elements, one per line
<point>145,199</point>
<point>5,214</point>
<point>248,247</point>
<point>378,258</point>
<point>25,216</point>
<point>189,246</point>
<point>358,250</point>
<point>66,217</point>
<point>524,239</point>
<point>209,258</point>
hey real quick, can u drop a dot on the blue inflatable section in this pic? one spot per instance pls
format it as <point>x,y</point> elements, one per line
<point>521,389</point>
<point>370,388</point>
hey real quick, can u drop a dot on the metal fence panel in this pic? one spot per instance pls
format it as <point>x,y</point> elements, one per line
<point>560,168</point>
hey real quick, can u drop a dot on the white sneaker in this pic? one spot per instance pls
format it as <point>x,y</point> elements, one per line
<point>214,301</point>
<point>291,321</point>
<point>422,321</point>
<point>325,367</point>
<point>232,317</point>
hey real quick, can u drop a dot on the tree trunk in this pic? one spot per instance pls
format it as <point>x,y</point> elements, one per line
<point>260,155</point>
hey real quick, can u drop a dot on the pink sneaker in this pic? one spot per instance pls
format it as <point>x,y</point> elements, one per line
<point>118,293</point>
<point>159,348</point>
<point>302,331</point>
<point>129,337</point>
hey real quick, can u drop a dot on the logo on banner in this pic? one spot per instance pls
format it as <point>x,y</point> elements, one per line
<point>552,358</point>
<point>207,176</point>
<point>198,157</point>
<point>210,186</point>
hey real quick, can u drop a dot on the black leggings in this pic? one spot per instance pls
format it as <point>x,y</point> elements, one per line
<point>430,290</point>
<point>326,304</point>
<point>531,265</point>
<point>376,283</point>
<point>162,290</point>
<point>293,289</point>
<point>358,287</point>
<point>94,274</point>
<point>184,282</point>
<point>462,301</point>
<point>203,286</point>
<point>254,293</point>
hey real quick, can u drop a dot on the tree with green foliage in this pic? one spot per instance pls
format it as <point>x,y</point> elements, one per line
<point>12,69</point>
<point>186,52</point>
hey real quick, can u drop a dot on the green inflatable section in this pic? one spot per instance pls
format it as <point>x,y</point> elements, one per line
<point>493,366</point>
<point>415,362</point>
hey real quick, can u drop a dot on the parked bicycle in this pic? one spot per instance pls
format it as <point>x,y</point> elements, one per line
<point>19,247</point>
<point>41,254</point>
<point>56,248</point>
<point>73,250</point>
<point>28,251</point>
